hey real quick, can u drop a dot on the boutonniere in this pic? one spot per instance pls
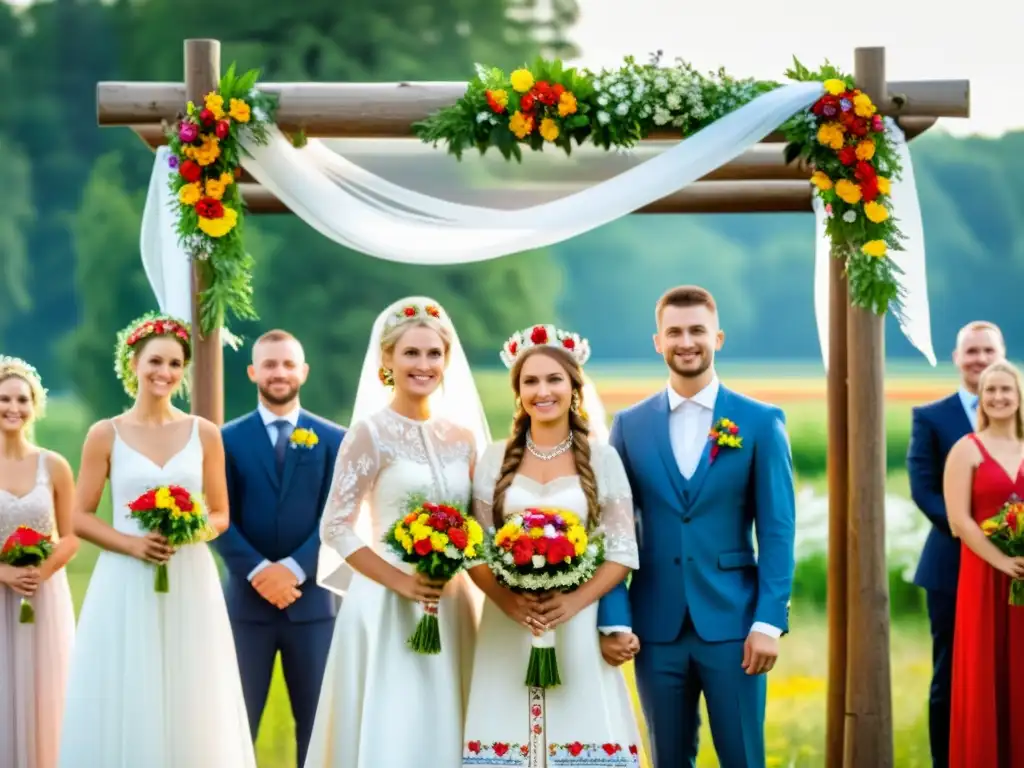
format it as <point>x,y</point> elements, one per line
<point>304,438</point>
<point>724,434</point>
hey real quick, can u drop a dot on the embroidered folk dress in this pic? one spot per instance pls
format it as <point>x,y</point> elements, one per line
<point>587,720</point>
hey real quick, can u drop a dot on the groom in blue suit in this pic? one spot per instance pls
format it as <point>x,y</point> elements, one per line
<point>935,428</point>
<point>707,467</point>
<point>280,462</point>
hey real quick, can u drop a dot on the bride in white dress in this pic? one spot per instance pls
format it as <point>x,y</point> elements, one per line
<point>549,461</point>
<point>154,681</point>
<point>415,427</point>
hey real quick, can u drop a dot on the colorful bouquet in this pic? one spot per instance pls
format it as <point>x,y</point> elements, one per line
<point>1005,529</point>
<point>439,540</point>
<point>175,514</point>
<point>26,548</point>
<point>543,550</point>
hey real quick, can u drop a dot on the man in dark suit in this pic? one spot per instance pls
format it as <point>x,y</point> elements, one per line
<point>934,430</point>
<point>280,462</point>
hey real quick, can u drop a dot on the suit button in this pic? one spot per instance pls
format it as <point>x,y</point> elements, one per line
<point>687,519</point>
<point>689,559</point>
<point>677,561</point>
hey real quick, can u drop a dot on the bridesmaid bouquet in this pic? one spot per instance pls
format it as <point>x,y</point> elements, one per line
<point>23,549</point>
<point>175,514</point>
<point>543,550</point>
<point>1005,529</point>
<point>439,540</point>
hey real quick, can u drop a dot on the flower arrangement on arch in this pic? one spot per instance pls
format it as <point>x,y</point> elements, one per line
<point>205,165</point>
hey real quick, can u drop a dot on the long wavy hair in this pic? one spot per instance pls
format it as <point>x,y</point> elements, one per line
<point>516,445</point>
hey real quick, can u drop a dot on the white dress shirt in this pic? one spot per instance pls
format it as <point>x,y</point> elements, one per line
<point>689,421</point>
<point>269,418</point>
<point>970,403</point>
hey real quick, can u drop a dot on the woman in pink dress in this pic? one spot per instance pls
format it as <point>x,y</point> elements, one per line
<point>36,490</point>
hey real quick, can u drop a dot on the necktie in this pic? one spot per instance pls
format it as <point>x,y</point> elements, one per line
<point>284,432</point>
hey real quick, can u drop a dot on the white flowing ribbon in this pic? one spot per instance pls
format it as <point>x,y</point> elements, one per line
<point>167,265</point>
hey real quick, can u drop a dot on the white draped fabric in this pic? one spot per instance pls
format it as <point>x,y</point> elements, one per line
<point>364,212</point>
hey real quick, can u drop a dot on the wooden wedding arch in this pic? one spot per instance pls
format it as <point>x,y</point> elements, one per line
<point>860,731</point>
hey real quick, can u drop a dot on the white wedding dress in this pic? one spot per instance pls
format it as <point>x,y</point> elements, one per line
<point>383,705</point>
<point>154,679</point>
<point>587,720</point>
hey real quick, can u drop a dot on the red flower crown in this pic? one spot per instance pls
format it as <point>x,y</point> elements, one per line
<point>545,336</point>
<point>414,310</point>
<point>160,326</point>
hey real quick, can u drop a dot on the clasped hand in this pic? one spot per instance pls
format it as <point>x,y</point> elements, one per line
<point>419,588</point>
<point>277,585</point>
<point>151,548</point>
<point>541,612</point>
<point>24,581</point>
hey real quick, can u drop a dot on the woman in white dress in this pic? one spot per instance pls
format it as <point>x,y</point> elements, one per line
<point>37,490</point>
<point>383,704</point>
<point>549,461</point>
<point>154,680</point>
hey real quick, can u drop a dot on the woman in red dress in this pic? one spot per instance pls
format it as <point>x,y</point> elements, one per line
<point>983,471</point>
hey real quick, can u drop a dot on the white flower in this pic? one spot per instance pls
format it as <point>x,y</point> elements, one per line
<point>509,560</point>
<point>622,109</point>
<point>452,553</point>
<point>639,91</point>
<point>661,116</point>
<point>538,561</point>
<point>850,216</point>
<point>603,117</point>
<point>673,101</point>
<point>603,100</point>
<point>661,83</point>
<point>482,117</point>
<point>549,531</point>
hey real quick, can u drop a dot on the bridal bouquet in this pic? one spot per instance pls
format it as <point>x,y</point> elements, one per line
<point>438,540</point>
<point>544,550</point>
<point>175,514</point>
<point>1005,529</point>
<point>26,548</point>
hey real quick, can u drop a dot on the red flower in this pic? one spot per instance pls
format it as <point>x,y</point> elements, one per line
<point>610,749</point>
<point>526,103</point>
<point>535,710</point>
<point>206,116</point>
<point>632,749</point>
<point>474,747</point>
<point>522,550</point>
<point>208,208</point>
<point>223,129</point>
<point>734,430</point>
<point>190,171</point>
<point>864,171</point>
<point>512,347</point>
<point>24,536</point>
<point>559,549</point>
<point>826,106</point>
<point>876,124</point>
<point>433,311</point>
<point>540,546</point>
<point>848,155</point>
<point>409,311</point>
<point>423,547</point>
<point>500,748</point>
<point>524,749</point>
<point>458,538</point>
<point>714,451</point>
<point>539,335</point>
<point>144,502</point>
<point>493,103</point>
<point>1011,520</point>
<point>575,748</point>
<point>568,343</point>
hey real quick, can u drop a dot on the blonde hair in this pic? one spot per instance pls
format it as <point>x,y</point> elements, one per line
<point>1001,366</point>
<point>16,368</point>
<point>980,325</point>
<point>390,337</point>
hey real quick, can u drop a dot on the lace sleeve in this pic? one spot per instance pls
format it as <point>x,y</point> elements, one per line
<point>616,500</point>
<point>485,477</point>
<point>355,473</point>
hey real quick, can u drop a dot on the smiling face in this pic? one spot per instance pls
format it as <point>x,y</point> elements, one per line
<point>159,365</point>
<point>999,395</point>
<point>16,406</point>
<point>545,381</point>
<point>688,338</point>
<point>278,370</point>
<point>977,347</point>
<point>417,361</point>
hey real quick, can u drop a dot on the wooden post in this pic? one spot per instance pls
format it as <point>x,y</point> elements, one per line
<point>202,75</point>
<point>838,511</point>
<point>869,733</point>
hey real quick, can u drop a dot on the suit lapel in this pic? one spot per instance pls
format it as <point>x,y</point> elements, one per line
<point>663,444</point>
<point>262,446</point>
<point>722,405</point>
<point>291,457</point>
<point>958,415</point>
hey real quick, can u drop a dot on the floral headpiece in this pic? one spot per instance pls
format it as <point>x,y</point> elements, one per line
<point>415,310</point>
<point>545,336</point>
<point>147,326</point>
<point>15,366</point>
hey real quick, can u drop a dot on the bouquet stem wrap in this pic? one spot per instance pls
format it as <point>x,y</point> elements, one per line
<point>542,671</point>
<point>427,637</point>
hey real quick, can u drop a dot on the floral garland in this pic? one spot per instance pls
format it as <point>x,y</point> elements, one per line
<point>842,138</point>
<point>150,324</point>
<point>205,163</point>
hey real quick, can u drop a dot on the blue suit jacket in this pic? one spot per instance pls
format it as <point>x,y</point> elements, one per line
<point>696,537</point>
<point>935,428</point>
<point>273,518</point>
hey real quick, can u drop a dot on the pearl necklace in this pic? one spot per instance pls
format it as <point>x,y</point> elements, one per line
<point>547,455</point>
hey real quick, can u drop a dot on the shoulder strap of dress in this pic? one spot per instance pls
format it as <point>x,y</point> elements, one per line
<point>43,469</point>
<point>981,446</point>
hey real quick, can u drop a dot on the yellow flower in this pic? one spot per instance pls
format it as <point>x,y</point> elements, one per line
<point>875,248</point>
<point>474,531</point>
<point>549,129</point>
<point>566,104</point>
<point>215,189</point>
<point>521,80</point>
<point>206,153</point>
<point>307,438</point>
<point>423,517</point>
<point>848,191</point>
<point>883,185</point>
<point>400,531</point>
<point>240,111</point>
<point>419,531</point>
<point>536,533</point>
<point>190,194</point>
<point>876,212</point>
<point>835,86</point>
<point>520,125</point>
<point>498,97</point>
<point>227,179</point>
<point>163,499</point>
<point>866,150</point>
<point>821,180</point>
<point>220,227</point>
<point>470,550</point>
<point>831,135</point>
<point>215,103</point>
<point>862,105</point>
<point>406,542</point>
<point>989,526</point>
<point>569,518</point>
<point>438,541</point>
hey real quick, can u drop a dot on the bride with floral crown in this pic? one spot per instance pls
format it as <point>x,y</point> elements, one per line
<point>416,426</point>
<point>551,460</point>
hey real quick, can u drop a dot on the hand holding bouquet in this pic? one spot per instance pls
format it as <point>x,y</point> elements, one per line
<point>439,540</point>
<point>172,512</point>
<point>26,548</point>
<point>1005,529</point>
<point>544,550</point>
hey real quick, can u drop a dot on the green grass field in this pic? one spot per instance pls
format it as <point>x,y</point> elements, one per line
<point>796,698</point>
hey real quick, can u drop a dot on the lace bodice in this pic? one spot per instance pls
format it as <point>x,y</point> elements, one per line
<point>34,509</point>
<point>613,494</point>
<point>132,474</point>
<point>383,460</point>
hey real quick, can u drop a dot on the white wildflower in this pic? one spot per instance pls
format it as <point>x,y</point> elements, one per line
<point>850,216</point>
<point>603,117</point>
<point>622,109</point>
